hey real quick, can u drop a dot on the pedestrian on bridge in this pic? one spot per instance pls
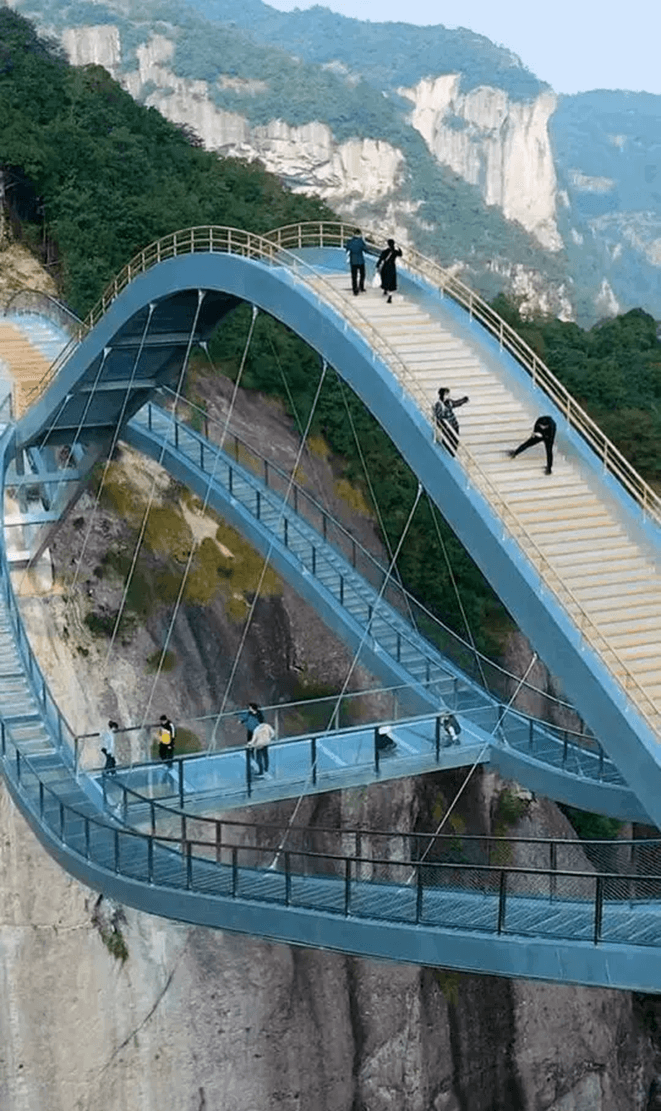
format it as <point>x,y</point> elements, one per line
<point>251,718</point>
<point>387,267</point>
<point>108,739</point>
<point>258,745</point>
<point>543,433</point>
<point>446,418</point>
<point>356,249</point>
<point>451,728</point>
<point>167,733</point>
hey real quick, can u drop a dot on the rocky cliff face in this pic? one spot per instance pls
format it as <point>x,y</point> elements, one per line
<point>498,144</point>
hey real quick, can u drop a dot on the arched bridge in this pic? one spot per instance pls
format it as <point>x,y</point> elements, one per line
<point>531,536</point>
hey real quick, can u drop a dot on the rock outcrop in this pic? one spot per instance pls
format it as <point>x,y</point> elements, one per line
<point>498,144</point>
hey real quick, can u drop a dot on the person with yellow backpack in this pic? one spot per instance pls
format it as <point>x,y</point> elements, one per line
<point>166,737</point>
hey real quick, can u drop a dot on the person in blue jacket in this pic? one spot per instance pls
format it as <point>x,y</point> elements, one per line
<point>251,718</point>
<point>356,249</point>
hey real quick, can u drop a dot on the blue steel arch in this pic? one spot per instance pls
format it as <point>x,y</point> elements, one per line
<point>181,285</point>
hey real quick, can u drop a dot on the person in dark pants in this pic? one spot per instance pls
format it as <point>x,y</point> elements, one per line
<point>387,268</point>
<point>166,740</point>
<point>356,247</point>
<point>258,745</point>
<point>543,433</point>
<point>110,764</point>
<point>446,418</point>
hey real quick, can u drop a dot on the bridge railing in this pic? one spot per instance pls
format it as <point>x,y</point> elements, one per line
<point>36,301</point>
<point>273,250</point>
<point>480,668</point>
<point>321,234</point>
<point>375,879</point>
<point>60,729</point>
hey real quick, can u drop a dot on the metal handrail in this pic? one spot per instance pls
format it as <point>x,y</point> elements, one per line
<point>271,249</point>
<point>328,234</point>
<point>242,446</point>
<point>45,305</point>
<point>420,877</point>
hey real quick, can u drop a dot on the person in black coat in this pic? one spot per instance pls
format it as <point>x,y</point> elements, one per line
<point>543,433</point>
<point>388,269</point>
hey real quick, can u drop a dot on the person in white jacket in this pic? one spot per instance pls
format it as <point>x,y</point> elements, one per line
<point>258,745</point>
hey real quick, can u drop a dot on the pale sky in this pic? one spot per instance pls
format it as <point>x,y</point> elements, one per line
<point>574,45</point>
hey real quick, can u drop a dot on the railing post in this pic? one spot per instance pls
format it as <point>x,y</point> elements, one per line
<point>181,781</point>
<point>376,750</point>
<point>324,526</point>
<point>62,822</point>
<point>258,505</point>
<point>353,551</point>
<point>248,774</point>
<point>601,762</point>
<point>399,647</point>
<point>313,760</point>
<point>2,738</point>
<point>502,901</point>
<point>287,879</point>
<point>18,766</point>
<point>418,897</point>
<point>152,815</point>
<point>341,590</point>
<point>150,860</point>
<point>285,531</point>
<point>347,886</point>
<point>235,871</point>
<point>219,841</point>
<point>531,735</point>
<point>230,480</point>
<point>598,909</point>
<point>554,866</point>
<point>266,472</point>
<point>314,561</point>
<point>189,866</point>
<point>565,745</point>
<point>87,838</point>
<point>437,737</point>
<point>41,800</point>
<point>116,840</point>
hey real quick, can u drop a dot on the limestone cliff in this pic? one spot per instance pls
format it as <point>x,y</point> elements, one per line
<point>499,144</point>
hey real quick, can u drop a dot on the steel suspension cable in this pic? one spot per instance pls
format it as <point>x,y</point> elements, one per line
<point>347,679</point>
<point>267,558</point>
<point>201,511</point>
<point>113,444</point>
<point>478,760</point>
<point>375,503</point>
<point>464,615</point>
<point>184,366</point>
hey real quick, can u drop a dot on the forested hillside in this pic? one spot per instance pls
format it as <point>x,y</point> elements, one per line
<point>92,177</point>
